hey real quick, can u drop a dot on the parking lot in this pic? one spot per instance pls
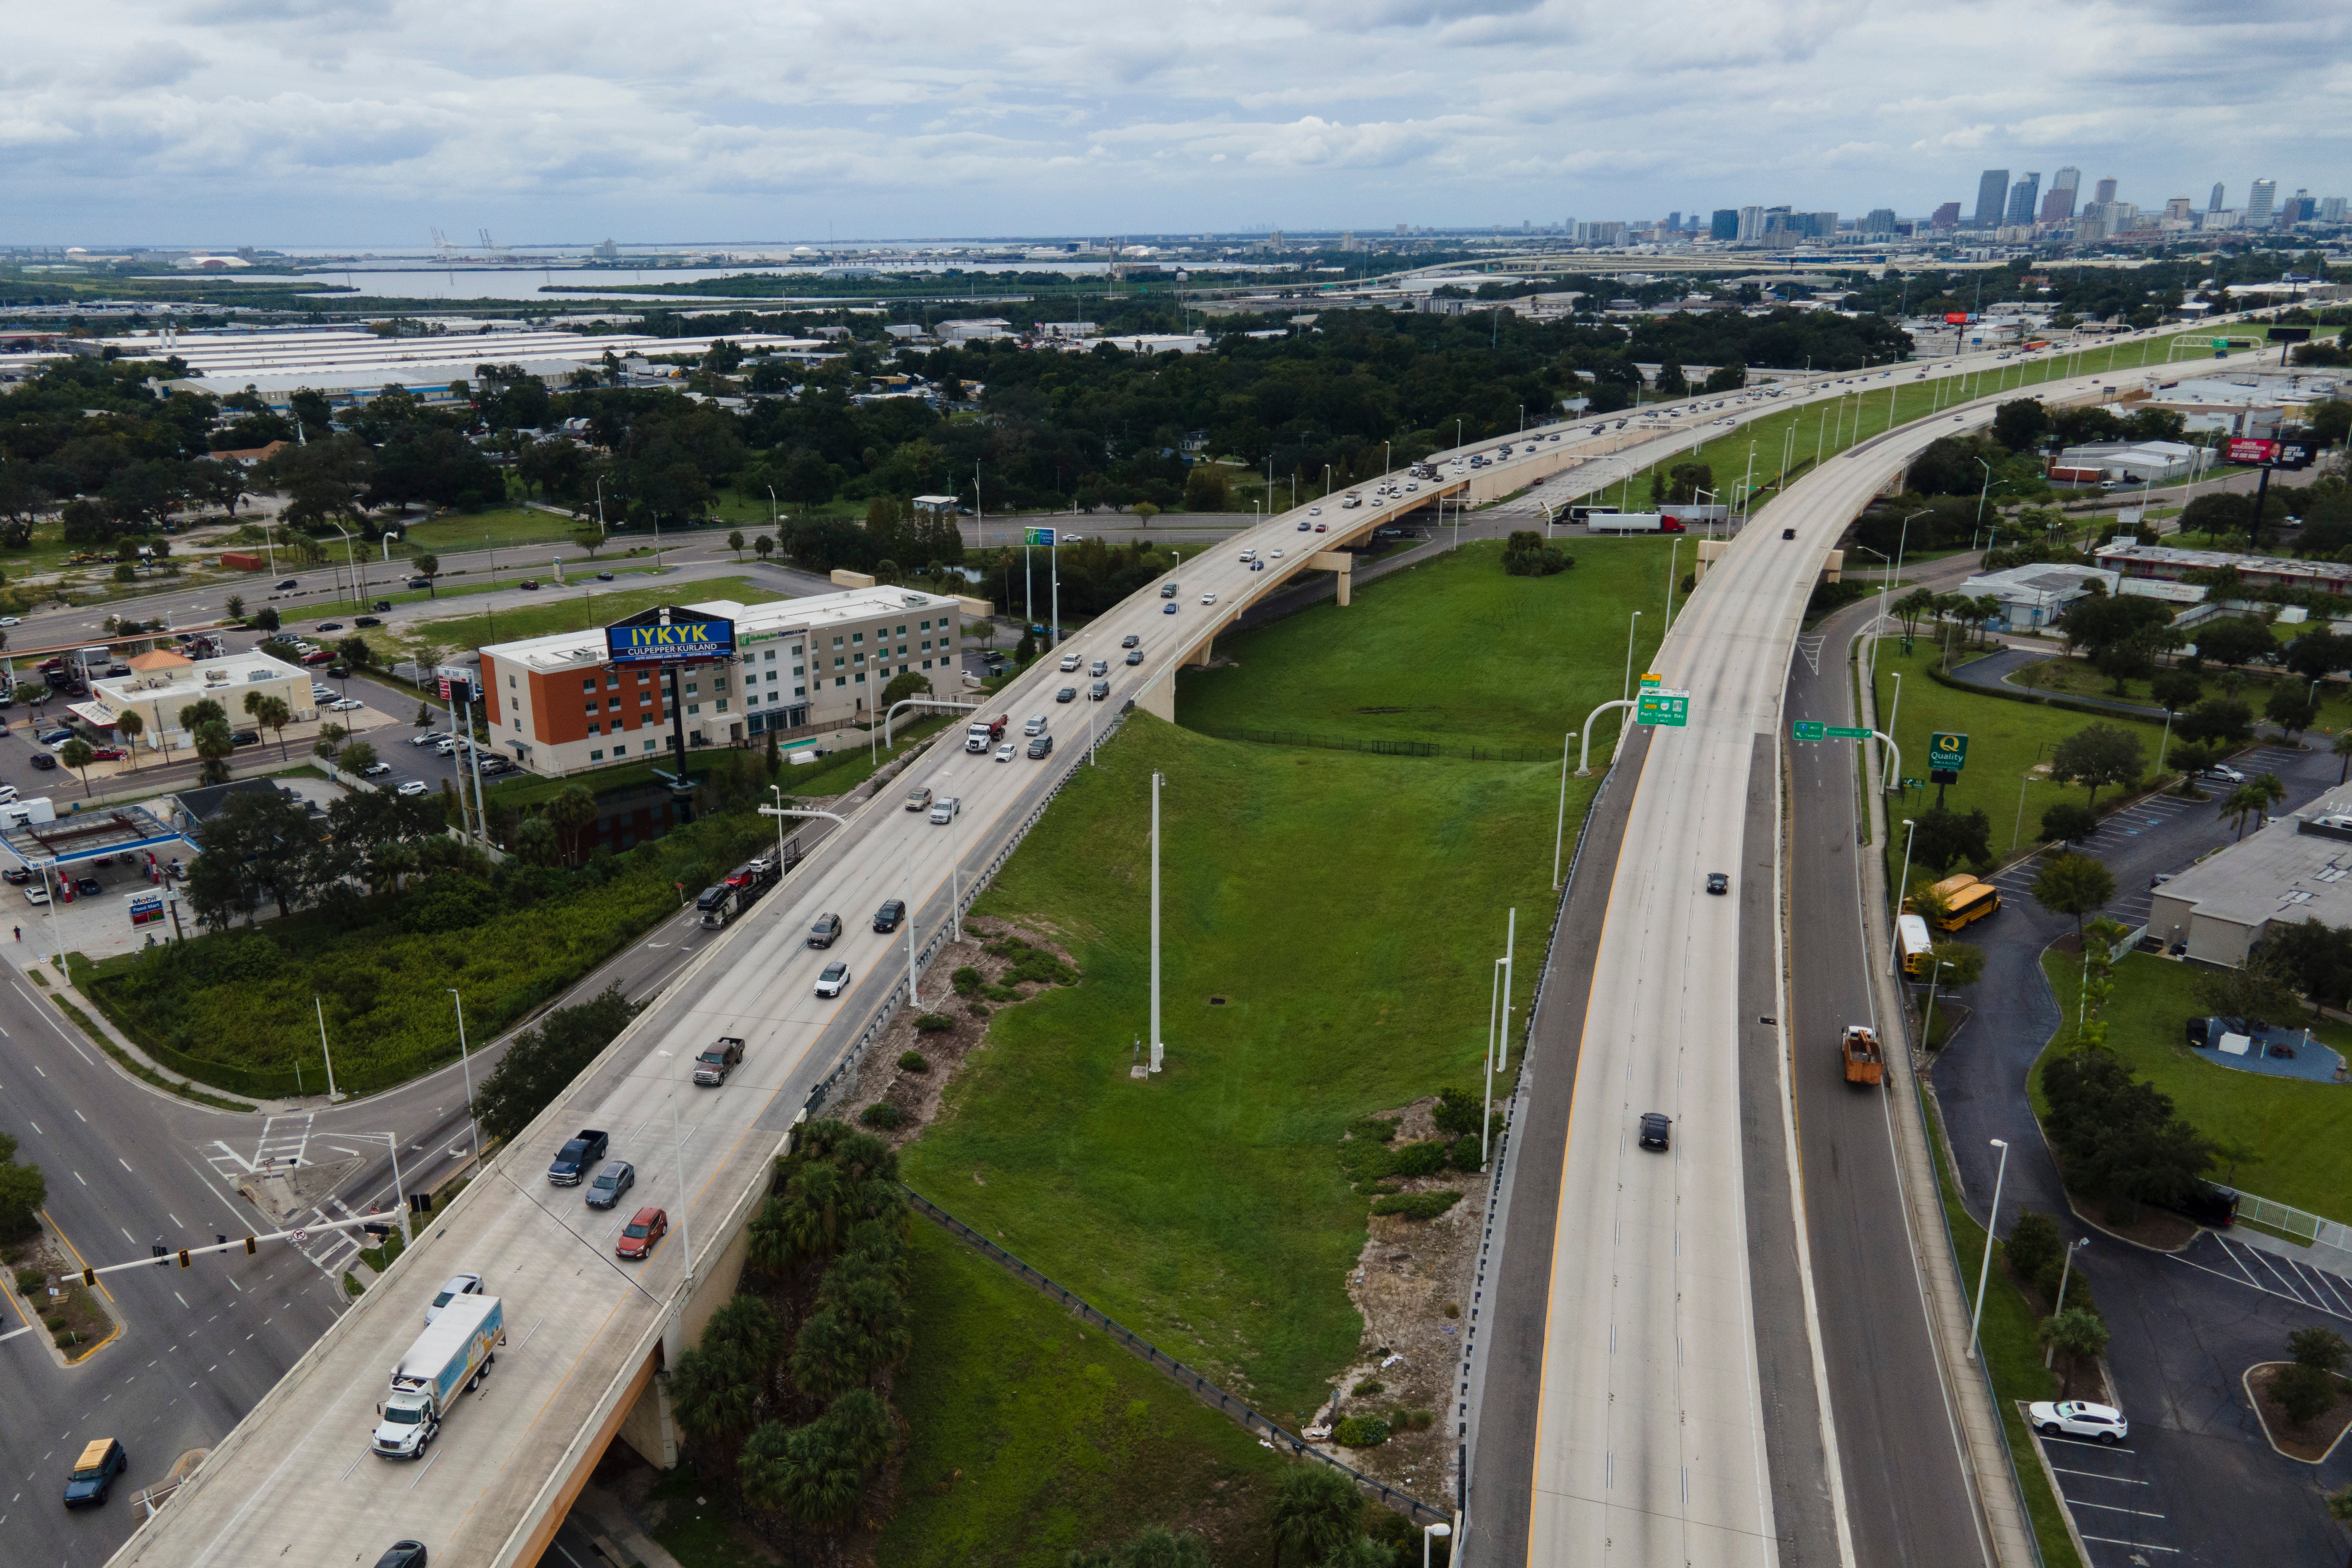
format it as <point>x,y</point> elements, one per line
<point>2117,1506</point>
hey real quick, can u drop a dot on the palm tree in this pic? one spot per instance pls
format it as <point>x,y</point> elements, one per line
<point>1317,1512</point>
<point>131,727</point>
<point>830,1355</point>
<point>2247,801</point>
<point>215,746</point>
<point>270,713</point>
<point>1987,610</point>
<point>78,754</point>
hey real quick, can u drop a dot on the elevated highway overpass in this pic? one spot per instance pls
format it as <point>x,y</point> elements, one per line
<point>294,1482</point>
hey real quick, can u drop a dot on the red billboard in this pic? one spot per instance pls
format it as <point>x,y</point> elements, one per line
<point>1956,318</point>
<point>2250,452</point>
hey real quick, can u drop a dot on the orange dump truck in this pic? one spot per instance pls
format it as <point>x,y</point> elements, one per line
<point>1866,1062</point>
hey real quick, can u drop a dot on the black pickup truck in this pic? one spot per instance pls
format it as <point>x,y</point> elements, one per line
<point>577,1157</point>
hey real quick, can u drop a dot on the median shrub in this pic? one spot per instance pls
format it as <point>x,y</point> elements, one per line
<point>914,1061</point>
<point>1417,1206</point>
<point>1361,1432</point>
<point>884,1115</point>
<point>932,1023</point>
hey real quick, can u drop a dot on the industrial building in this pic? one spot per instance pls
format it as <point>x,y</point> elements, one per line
<point>558,705</point>
<point>2132,559</point>
<point>354,365</point>
<point>162,683</point>
<point>2035,595</point>
<point>2299,868</point>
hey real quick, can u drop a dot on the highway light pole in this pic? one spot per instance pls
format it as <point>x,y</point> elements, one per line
<point>1893,708</point>
<point>1630,625</point>
<point>1157,780</point>
<point>1935,975</point>
<point>1910,832</point>
<point>322,1009</point>
<point>1992,1223</point>
<point>1559,828</point>
<point>466,1065</point>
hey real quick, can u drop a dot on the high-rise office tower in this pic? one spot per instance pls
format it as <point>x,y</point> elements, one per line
<point>2023,198</point>
<point>1673,220</point>
<point>2105,191</point>
<point>2258,203</point>
<point>1751,223</point>
<point>2216,206</point>
<point>1880,221</point>
<point>1947,216</point>
<point>1992,189</point>
<point>1725,225</point>
<point>2177,209</point>
<point>2058,204</point>
<point>2331,209</point>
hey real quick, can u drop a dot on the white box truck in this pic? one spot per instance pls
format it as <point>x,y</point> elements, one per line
<point>453,1354</point>
<point>1632,522</point>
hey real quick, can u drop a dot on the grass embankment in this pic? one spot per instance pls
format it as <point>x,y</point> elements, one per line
<point>1833,425</point>
<point>1452,652</point>
<point>1033,1436</point>
<point>2005,739</point>
<point>492,529</point>
<point>234,1009</point>
<point>2009,1341</point>
<point>1346,910</point>
<point>2303,1131</point>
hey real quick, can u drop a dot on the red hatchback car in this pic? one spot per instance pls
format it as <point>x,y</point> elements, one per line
<point>647,1225</point>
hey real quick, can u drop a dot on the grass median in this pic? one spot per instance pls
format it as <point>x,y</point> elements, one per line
<point>2302,1130</point>
<point>575,609</point>
<point>1452,652</point>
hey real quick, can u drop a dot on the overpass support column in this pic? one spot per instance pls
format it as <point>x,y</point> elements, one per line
<point>1339,560</point>
<point>1159,698</point>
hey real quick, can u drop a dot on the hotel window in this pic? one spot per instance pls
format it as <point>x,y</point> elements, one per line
<point>596,756</point>
<point>644,676</point>
<point>836,642</point>
<point>692,709</point>
<point>591,705</point>
<point>770,656</point>
<point>799,691</point>
<point>719,684</point>
<point>721,706</point>
<point>857,637</point>
<point>838,661</point>
<point>644,699</point>
<point>593,730</point>
<point>861,680</point>
<point>611,680</point>
<point>693,688</point>
<point>838,681</point>
<point>650,744</point>
<point>588,684</point>
<point>611,705</point>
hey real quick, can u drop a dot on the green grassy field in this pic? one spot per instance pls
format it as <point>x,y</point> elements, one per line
<point>1452,651</point>
<point>494,529</point>
<point>578,607</point>
<point>2012,1354</point>
<point>2005,738</point>
<point>2074,677</point>
<point>2303,1129</point>
<point>1346,907</point>
<point>1033,1436</point>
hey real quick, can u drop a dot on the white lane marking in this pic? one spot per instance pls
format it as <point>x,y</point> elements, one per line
<point>2136,1545</point>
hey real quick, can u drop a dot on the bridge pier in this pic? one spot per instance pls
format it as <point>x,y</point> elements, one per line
<point>1159,698</point>
<point>1339,560</point>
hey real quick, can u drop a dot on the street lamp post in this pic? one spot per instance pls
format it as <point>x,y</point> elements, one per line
<point>466,1065</point>
<point>1892,710</point>
<point>2065,1269</point>
<point>1559,828</point>
<point>1910,832</point>
<point>1992,1224</point>
<point>1935,975</point>
<point>1440,1529</point>
<point>1157,780</point>
<point>1630,625</point>
<point>1981,494</point>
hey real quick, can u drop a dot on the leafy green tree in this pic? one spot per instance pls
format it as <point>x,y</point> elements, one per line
<point>266,618</point>
<point>2096,756</point>
<point>2175,690</point>
<point>910,684</point>
<point>535,842</point>
<point>236,606</point>
<point>2292,707</point>
<point>2322,1348</point>
<point>763,547</point>
<point>717,1387</point>
<point>356,652</point>
<point>2236,640</point>
<point>1156,1547</point>
<point>2033,1244</point>
<point>543,1061</point>
<point>2073,884</point>
<point>2262,987</point>
<point>2068,823</point>
<point>428,567</point>
<point>22,1194</point>
<point>1960,964</point>
<point>735,541</point>
<point>1942,838</point>
<point>215,745</point>
<point>329,740</point>
<point>2246,802</point>
<point>2303,1394</point>
<point>571,813</point>
<point>2220,719</point>
<point>356,758</point>
<point>2117,1136</point>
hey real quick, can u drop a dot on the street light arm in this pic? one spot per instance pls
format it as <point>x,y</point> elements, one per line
<point>1584,755</point>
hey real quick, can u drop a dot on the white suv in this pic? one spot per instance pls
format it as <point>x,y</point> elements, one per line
<point>2079,1418</point>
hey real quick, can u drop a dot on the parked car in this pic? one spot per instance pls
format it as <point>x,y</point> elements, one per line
<point>421,737</point>
<point>379,604</point>
<point>43,761</point>
<point>645,1227</point>
<point>93,1474</point>
<point>88,887</point>
<point>833,981</point>
<point>1657,1129</point>
<point>604,576</point>
<point>825,931</point>
<point>413,787</point>
<point>345,705</point>
<point>16,876</point>
<point>530,583</point>
<point>611,1181</point>
<point>108,753</point>
<point>56,737</point>
<point>329,626</point>
<point>457,1285</point>
<point>887,918</point>
<point>367,621</point>
<point>2078,1418</point>
<point>36,895</point>
<point>375,770</point>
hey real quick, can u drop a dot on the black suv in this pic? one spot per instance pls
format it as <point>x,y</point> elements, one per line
<point>826,932</point>
<point>887,918</point>
<point>1656,1128</point>
<point>575,1157</point>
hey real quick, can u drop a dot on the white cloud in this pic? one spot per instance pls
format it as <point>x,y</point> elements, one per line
<point>363,122</point>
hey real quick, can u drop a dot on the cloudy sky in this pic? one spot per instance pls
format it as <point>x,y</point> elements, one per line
<point>365,123</point>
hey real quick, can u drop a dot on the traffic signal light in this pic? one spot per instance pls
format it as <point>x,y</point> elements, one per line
<point>251,1247</point>
<point>90,1276</point>
<point>183,1257</point>
<point>420,1203</point>
<point>161,1255</point>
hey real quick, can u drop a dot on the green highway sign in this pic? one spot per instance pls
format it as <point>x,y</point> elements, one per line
<point>1657,705</point>
<point>1947,750</point>
<point>1838,732</point>
<point>1807,730</point>
<point>1037,536</point>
